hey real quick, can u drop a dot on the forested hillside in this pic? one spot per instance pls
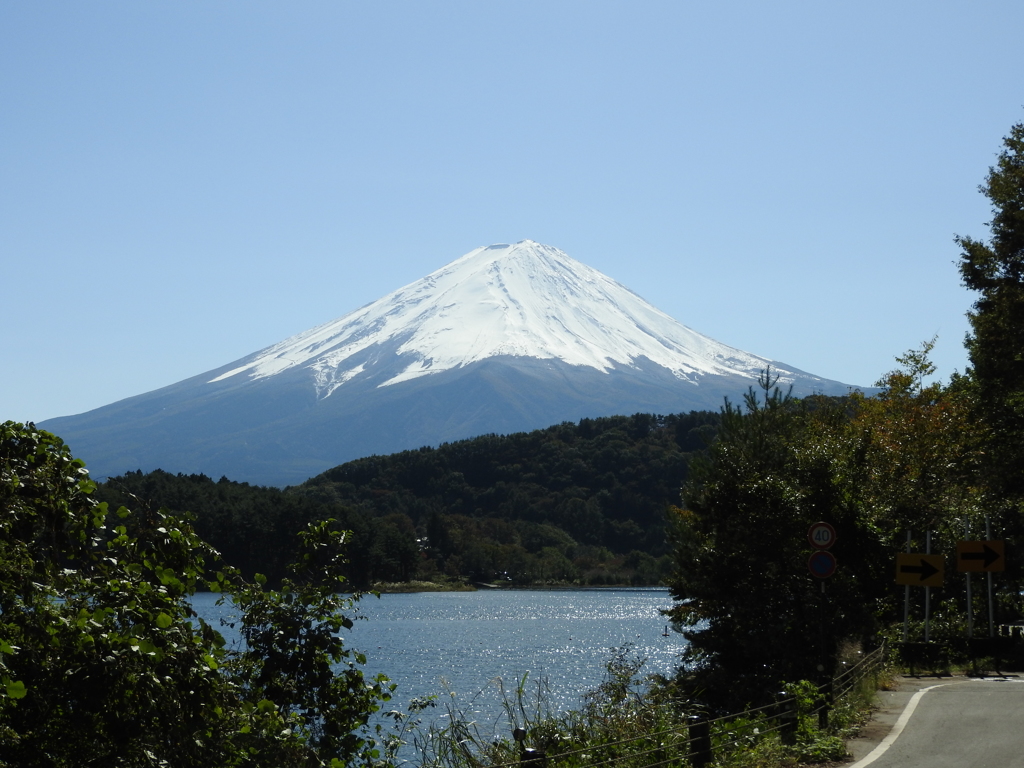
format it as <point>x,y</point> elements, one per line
<point>573,503</point>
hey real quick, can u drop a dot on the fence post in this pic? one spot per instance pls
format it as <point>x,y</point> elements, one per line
<point>828,697</point>
<point>700,741</point>
<point>528,756</point>
<point>785,708</point>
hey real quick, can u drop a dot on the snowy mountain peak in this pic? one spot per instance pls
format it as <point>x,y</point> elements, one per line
<point>508,338</point>
<point>520,300</point>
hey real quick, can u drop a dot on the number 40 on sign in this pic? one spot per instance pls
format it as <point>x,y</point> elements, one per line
<point>821,535</point>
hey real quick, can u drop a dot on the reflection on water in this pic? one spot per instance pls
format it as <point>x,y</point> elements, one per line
<point>469,639</point>
<point>464,641</point>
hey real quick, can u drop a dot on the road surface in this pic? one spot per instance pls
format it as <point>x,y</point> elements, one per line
<point>951,722</point>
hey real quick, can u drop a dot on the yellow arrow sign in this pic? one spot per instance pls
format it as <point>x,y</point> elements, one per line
<point>980,556</point>
<point>917,570</point>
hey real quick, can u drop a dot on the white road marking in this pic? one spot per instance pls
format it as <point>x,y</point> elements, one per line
<point>897,729</point>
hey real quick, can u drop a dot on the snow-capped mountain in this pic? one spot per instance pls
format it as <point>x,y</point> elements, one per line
<point>522,300</point>
<point>506,338</point>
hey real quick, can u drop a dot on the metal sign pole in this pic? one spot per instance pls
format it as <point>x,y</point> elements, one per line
<point>991,616</point>
<point>970,599</point>
<point>821,623</point>
<point>927,590</point>
<point>906,600</point>
<point>970,609</point>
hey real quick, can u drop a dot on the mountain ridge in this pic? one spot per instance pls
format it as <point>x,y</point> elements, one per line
<point>424,365</point>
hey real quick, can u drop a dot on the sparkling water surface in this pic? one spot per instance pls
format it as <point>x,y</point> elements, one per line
<point>470,643</point>
<point>466,642</point>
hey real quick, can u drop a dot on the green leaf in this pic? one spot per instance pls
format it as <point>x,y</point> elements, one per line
<point>16,689</point>
<point>163,620</point>
<point>147,647</point>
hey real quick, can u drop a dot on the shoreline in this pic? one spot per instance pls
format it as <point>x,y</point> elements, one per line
<point>408,587</point>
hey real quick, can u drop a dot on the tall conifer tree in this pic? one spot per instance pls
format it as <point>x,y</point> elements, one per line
<point>996,344</point>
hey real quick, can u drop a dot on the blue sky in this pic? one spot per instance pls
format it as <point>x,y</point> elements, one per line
<point>184,183</point>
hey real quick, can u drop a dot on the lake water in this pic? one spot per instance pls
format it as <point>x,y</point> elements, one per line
<point>465,642</point>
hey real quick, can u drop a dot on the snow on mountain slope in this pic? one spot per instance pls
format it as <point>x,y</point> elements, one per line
<point>508,338</point>
<point>521,300</point>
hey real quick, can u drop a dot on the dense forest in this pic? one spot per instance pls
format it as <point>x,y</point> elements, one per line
<point>578,503</point>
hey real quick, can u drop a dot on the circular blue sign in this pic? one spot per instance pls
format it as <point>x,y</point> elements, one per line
<point>821,564</point>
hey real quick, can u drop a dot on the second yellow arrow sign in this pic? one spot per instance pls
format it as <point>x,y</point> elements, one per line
<point>980,556</point>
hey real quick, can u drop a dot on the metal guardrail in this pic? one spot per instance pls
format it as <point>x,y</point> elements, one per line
<point>1003,648</point>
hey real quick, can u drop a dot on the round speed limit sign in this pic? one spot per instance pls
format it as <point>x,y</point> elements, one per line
<point>821,535</point>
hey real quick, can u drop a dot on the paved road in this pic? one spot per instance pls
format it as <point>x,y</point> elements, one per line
<point>960,723</point>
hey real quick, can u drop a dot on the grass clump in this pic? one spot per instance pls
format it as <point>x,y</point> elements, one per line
<point>624,722</point>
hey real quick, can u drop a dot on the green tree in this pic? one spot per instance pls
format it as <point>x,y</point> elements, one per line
<point>394,552</point>
<point>996,270</point>
<point>921,451</point>
<point>104,662</point>
<point>752,613</point>
<point>295,659</point>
